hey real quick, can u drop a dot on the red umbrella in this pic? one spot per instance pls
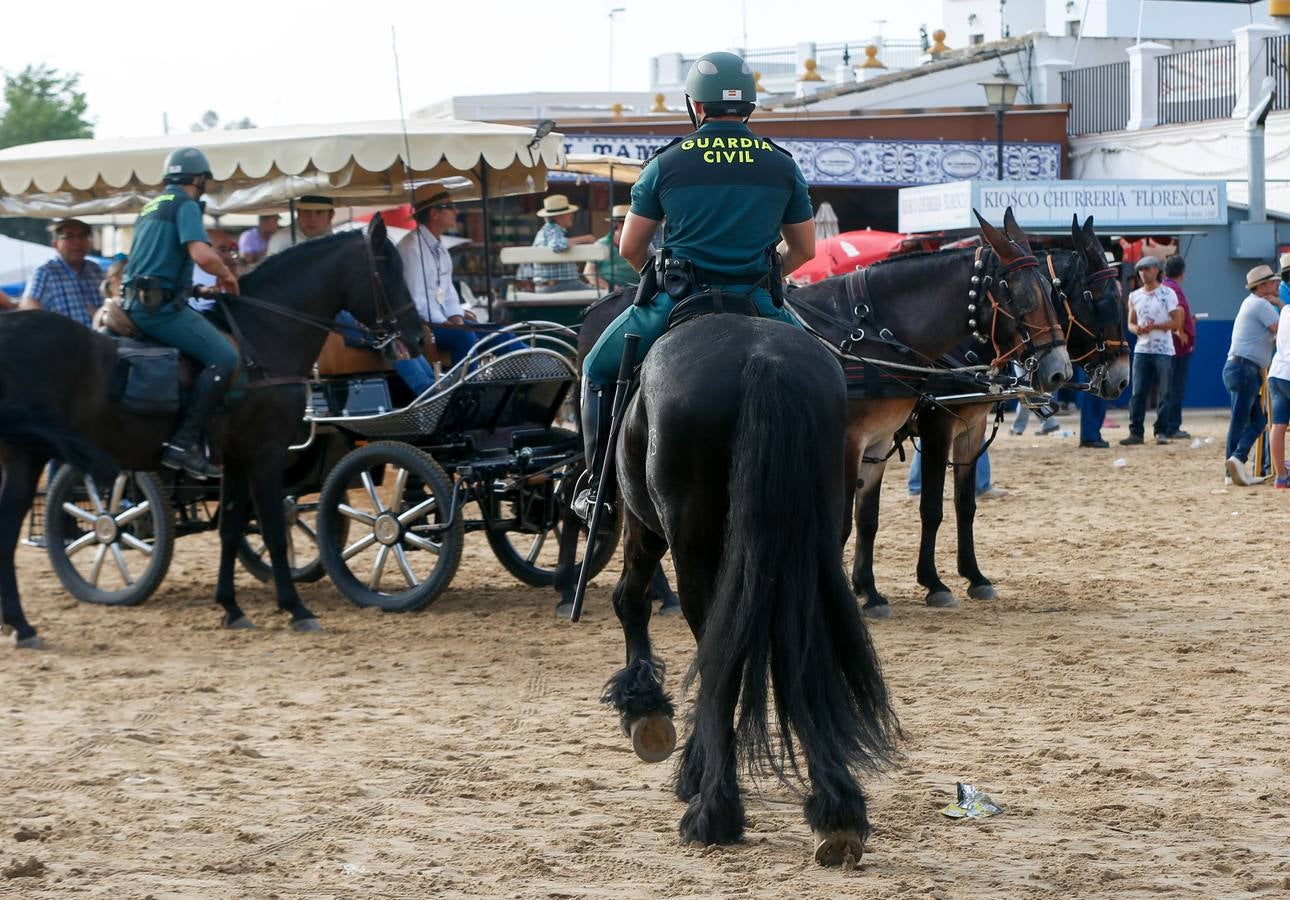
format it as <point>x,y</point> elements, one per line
<point>853,250</point>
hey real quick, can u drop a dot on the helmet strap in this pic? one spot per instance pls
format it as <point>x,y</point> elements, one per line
<point>689,108</point>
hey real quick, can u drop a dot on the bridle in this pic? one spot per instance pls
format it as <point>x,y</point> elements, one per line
<point>382,334</point>
<point>1105,311</point>
<point>995,286</point>
<point>385,328</point>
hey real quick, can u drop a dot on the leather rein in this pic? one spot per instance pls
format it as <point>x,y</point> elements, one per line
<point>381,334</point>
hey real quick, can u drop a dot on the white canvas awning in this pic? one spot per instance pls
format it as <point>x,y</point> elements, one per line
<point>260,169</point>
<point>595,165</point>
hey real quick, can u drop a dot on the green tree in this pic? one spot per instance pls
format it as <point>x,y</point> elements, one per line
<point>210,121</point>
<point>40,104</point>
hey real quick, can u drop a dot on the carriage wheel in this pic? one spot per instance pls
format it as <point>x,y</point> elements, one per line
<point>302,544</point>
<point>532,558</point>
<point>111,547</point>
<point>381,528</point>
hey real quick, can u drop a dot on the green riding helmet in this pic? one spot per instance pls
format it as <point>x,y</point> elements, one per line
<point>185,164</point>
<point>721,77</point>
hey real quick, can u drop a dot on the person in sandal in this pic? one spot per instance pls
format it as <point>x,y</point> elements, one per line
<point>1154,316</point>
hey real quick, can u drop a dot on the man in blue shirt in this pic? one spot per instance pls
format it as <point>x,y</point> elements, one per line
<point>729,197</point>
<point>168,238</point>
<point>69,283</point>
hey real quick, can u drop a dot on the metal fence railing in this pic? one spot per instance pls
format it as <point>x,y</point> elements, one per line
<point>894,54</point>
<point>1197,85</point>
<point>1098,97</point>
<point>773,63</point>
<point>1276,50</point>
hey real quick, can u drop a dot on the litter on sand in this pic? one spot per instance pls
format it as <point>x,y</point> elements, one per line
<point>971,804</point>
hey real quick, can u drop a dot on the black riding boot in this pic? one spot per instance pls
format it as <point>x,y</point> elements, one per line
<point>597,406</point>
<point>185,450</point>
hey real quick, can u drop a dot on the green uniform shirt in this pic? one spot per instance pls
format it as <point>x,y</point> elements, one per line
<point>161,237</point>
<point>725,193</point>
<point>615,270</point>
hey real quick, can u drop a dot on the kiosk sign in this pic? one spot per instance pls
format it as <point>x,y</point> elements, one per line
<point>1050,204</point>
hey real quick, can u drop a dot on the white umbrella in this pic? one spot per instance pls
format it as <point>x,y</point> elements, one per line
<point>826,222</point>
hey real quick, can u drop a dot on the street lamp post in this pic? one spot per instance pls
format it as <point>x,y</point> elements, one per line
<point>613,16</point>
<point>1000,93</point>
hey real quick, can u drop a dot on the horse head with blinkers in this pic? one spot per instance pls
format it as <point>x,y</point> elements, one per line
<point>1010,306</point>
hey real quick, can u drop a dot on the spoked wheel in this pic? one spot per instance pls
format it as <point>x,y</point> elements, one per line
<point>302,543</point>
<point>534,557</point>
<point>383,527</point>
<point>109,546</point>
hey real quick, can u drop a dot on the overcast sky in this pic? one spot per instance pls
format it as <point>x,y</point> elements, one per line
<point>283,61</point>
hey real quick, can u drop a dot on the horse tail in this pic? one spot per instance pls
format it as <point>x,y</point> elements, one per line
<point>782,606</point>
<point>42,435</point>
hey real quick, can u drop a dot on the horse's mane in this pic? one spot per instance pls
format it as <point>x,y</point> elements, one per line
<point>274,266</point>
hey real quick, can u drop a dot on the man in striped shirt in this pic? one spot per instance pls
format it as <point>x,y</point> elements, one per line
<point>69,283</point>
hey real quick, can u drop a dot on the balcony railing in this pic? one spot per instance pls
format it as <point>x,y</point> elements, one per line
<point>1276,50</point>
<point>1197,85</point>
<point>1098,97</point>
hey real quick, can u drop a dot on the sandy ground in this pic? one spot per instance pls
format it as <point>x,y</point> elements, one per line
<point>1125,700</point>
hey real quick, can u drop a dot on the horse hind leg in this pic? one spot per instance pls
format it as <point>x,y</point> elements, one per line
<point>21,474</point>
<point>835,809</point>
<point>636,691</point>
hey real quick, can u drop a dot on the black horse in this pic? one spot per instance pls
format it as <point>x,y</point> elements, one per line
<point>731,456</point>
<point>1090,306</point>
<point>55,378</point>
<point>913,310</point>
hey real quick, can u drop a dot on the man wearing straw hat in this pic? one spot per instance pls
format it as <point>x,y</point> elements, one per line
<point>1253,338</point>
<point>313,220</point>
<point>550,278</point>
<point>607,274</point>
<point>427,268</point>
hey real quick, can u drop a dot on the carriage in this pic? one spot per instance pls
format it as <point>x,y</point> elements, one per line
<point>482,450</point>
<point>485,446</point>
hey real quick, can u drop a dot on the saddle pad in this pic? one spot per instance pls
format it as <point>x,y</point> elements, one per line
<point>146,380</point>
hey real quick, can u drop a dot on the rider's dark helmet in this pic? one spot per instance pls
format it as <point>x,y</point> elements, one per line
<point>186,165</point>
<point>723,83</point>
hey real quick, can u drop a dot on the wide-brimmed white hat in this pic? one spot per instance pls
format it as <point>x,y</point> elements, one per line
<point>1258,275</point>
<point>556,205</point>
<point>619,212</point>
<point>1285,261</point>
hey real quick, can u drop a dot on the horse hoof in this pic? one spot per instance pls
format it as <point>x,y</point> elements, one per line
<point>31,643</point>
<point>941,600</point>
<point>564,611</point>
<point>983,592</point>
<point>653,738</point>
<point>670,609</point>
<point>306,626</point>
<point>241,623</point>
<point>838,848</point>
<point>877,611</point>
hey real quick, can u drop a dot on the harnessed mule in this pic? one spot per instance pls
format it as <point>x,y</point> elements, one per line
<point>49,409</point>
<point>918,308</point>
<point>1091,308</point>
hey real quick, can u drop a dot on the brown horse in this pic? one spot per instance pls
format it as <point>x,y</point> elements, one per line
<point>1091,308</point>
<point>912,310</point>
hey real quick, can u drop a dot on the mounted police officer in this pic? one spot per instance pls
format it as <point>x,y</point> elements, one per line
<point>728,197</point>
<point>168,239</point>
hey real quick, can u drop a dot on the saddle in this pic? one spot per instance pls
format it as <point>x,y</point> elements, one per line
<point>712,301</point>
<point>149,379</point>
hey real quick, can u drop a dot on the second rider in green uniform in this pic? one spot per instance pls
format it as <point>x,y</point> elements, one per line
<point>728,196</point>
<point>168,239</point>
